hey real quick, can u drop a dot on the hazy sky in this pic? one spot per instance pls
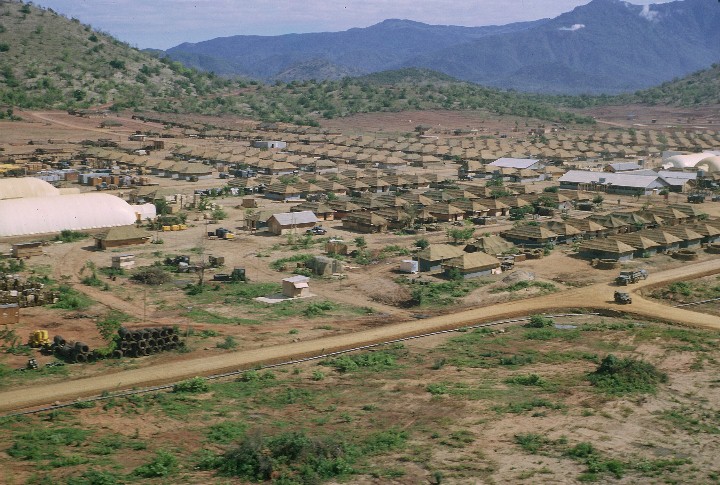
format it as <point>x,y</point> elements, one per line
<point>166,23</point>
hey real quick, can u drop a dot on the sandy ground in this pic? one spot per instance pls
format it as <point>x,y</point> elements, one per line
<point>591,297</point>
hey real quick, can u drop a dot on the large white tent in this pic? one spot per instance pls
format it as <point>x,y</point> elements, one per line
<point>42,215</point>
<point>16,188</point>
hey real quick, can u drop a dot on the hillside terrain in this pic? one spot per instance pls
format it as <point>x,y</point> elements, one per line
<point>582,51</point>
<point>47,60</point>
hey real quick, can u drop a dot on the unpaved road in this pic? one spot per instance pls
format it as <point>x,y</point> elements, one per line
<point>597,296</point>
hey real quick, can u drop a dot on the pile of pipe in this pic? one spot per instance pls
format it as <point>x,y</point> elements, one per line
<point>69,351</point>
<point>138,342</point>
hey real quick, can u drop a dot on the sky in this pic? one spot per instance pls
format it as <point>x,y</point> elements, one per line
<point>162,24</point>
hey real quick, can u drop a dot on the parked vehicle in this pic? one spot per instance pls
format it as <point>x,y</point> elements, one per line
<point>317,230</point>
<point>627,277</point>
<point>622,298</point>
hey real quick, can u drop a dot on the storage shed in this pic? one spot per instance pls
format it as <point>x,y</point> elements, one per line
<point>296,286</point>
<point>27,250</point>
<point>121,236</point>
<point>9,314</point>
<point>291,222</point>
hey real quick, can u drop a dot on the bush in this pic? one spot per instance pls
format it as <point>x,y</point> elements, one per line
<point>194,385</point>
<point>626,376</point>
<point>526,380</point>
<point>530,442</point>
<point>151,275</point>
<point>422,243</point>
<point>68,236</point>
<point>291,457</point>
<point>539,321</point>
<point>318,309</point>
<point>163,465</point>
<point>228,343</point>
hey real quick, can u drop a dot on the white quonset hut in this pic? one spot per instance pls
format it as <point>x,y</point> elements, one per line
<point>17,188</point>
<point>42,215</point>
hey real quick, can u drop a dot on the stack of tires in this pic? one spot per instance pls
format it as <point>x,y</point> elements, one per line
<point>69,351</point>
<point>138,342</point>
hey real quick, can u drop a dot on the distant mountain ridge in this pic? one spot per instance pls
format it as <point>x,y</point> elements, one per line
<point>606,46</point>
<point>380,47</point>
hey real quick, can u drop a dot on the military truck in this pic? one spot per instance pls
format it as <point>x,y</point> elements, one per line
<point>627,277</point>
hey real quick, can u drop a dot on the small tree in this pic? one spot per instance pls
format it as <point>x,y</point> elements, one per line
<point>539,321</point>
<point>598,200</point>
<point>422,243</point>
<point>460,234</point>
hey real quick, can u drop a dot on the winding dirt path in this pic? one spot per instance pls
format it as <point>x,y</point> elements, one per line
<point>597,297</point>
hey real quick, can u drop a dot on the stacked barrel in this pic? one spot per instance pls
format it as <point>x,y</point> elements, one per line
<point>138,342</point>
<point>70,351</point>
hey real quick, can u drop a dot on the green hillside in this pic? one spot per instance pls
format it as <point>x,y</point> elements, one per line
<point>697,89</point>
<point>47,60</point>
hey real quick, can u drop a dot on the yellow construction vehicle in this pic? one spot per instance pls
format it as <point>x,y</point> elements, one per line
<point>39,338</point>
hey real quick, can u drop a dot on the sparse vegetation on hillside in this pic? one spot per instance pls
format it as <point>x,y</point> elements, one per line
<point>50,61</point>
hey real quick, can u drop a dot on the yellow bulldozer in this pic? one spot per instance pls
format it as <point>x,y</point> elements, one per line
<point>39,339</point>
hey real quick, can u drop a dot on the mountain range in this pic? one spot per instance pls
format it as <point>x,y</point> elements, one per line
<point>606,46</point>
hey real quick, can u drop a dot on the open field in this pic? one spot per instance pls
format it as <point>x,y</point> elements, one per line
<point>499,406</point>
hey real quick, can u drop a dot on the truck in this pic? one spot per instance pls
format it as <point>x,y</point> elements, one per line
<point>627,277</point>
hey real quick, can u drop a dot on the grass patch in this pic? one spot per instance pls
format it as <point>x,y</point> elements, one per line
<point>45,443</point>
<point>440,294</point>
<point>279,264</point>
<point>544,286</point>
<point>204,316</point>
<point>71,299</point>
<point>371,361</point>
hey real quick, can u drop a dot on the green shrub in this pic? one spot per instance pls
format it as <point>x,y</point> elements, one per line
<point>375,361</point>
<point>530,442</point>
<point>620,376</point>
<point>96,477</point>
<point>194,385</point>
<point>291,457</point>
<point>71,299</point>
<point>163,465</point>
<point>228,343</point>
<point>526,380</point>
<point>539,321</point>
<point>68,236</point>
<point>151,275</point>
<point>318,309</point>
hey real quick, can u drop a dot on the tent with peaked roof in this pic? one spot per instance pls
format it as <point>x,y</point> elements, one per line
<point>530,235</point>
<point>472,265</point>
<point>606,249</point>
<point>432,257</point>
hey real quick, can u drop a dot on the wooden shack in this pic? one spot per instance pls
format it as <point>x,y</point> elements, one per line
<point>9,314</point>
<point>27,250</point>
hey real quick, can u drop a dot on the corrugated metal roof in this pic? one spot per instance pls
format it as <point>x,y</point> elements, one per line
<point>514,162</point>
<point>617,179</point>
<point>290,218</point>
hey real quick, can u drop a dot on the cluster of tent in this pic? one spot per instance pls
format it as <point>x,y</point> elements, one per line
<point>707,161</point>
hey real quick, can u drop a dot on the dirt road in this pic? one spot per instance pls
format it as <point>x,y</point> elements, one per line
<point>597,296</point>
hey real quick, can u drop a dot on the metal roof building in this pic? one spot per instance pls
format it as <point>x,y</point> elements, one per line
<point>616,183</point>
